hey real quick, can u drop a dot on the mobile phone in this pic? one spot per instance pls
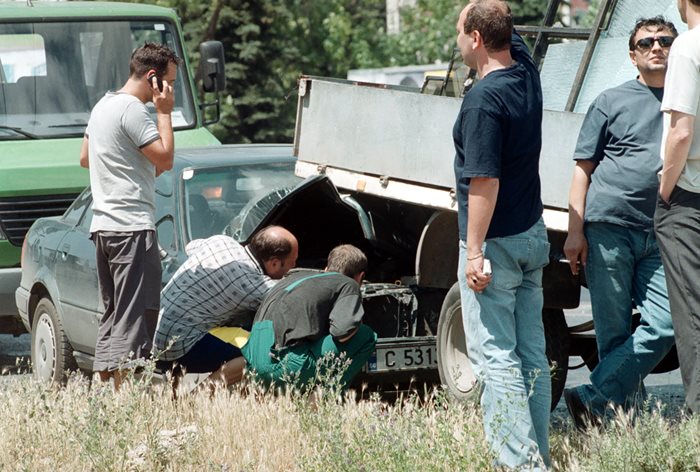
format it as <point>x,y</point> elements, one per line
<point>159,81</point>
<point>487,267</point>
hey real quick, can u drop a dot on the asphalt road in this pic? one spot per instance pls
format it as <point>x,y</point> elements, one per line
<point>14,353</point>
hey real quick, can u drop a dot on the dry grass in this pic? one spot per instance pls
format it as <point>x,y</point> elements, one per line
<point>83,427</point>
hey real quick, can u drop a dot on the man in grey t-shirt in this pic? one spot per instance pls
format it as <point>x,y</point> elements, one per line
<point>125,151</point>
<point>611,208</point>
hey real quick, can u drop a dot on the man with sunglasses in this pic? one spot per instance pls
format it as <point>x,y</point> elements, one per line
<point>677,215</point>
<point>611,208</point>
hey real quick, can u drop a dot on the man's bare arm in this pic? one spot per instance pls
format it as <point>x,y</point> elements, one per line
<point>84,153</point>
<point>483,192</point>
<point>680,136</point>
<point>161,152</point>
<point>576,246</point>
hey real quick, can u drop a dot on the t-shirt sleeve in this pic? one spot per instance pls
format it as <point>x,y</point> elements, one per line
<point>519,50</point>
<point>482,134</point>
<point>682,86</point>
<point>139,125</point>
<point>347,312</point>
<point>591,138</point>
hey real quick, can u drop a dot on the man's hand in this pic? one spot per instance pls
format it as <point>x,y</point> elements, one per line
<point>163,101</point>
<point>576,249</point>
<point>476,279</point>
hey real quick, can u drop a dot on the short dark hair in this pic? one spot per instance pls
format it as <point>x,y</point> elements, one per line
<point>347,259</point>
<point>493,20</point>
<point>649,23</point>
<point>152,56</point>
<point>266,244</point>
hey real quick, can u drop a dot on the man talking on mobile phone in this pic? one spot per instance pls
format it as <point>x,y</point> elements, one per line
<point>125,150</point>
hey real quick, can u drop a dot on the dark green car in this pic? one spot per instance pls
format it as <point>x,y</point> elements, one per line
<point>209,191</point>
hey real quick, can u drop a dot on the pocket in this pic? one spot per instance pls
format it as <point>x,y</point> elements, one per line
<point>540,253</point>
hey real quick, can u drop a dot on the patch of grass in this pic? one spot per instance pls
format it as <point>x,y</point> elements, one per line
<point>87,426</point>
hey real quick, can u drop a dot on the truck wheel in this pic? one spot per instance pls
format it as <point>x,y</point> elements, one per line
<point>455,368</point>
<point>52,354</point>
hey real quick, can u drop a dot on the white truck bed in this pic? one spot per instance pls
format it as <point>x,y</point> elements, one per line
<point>398,144</point>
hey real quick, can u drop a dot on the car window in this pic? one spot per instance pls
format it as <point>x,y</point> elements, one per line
<point>87,218</point>
<point>215,198</point>
<point>75,211</point>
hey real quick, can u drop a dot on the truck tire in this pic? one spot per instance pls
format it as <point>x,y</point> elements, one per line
<point>52,354</point>
<point>455,368</point>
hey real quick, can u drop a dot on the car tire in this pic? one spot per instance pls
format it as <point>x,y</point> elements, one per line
<point>52,354</point>
<point>455,368</point>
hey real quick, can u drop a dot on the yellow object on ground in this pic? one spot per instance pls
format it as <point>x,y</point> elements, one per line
<point>236,336</point>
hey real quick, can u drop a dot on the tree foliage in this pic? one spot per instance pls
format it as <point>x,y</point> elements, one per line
<point>268,44</point>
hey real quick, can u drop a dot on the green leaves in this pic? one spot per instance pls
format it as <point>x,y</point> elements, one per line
<point>269,44</point>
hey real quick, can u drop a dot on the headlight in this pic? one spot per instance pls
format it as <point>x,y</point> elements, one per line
<point>2,235</point>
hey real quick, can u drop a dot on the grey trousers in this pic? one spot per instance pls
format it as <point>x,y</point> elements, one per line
<point>129,276</point>
<point>677,226</point>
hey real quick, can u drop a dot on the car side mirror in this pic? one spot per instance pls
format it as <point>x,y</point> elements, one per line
<point>211,66</point>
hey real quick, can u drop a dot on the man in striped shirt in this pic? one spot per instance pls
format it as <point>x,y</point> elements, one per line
<point>217,290</point>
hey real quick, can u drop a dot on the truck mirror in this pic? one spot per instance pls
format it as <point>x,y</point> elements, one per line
<point>211,66</point>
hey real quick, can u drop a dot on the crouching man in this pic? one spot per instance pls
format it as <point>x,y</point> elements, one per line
<point>308,315</point>
<point>219,287</point>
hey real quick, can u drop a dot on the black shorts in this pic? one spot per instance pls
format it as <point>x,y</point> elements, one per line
<point>208,355</point>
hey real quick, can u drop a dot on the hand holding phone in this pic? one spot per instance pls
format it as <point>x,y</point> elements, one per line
<point>487,267</point>
<point>151,75</point>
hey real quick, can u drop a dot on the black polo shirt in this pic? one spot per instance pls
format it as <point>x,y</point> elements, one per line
<point>498,134</point>
<point>307,305</point>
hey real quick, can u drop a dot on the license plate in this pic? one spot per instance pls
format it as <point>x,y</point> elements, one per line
<point>403,358</point>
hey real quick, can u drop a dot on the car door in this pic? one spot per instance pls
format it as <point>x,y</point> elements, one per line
<point>76,277</point>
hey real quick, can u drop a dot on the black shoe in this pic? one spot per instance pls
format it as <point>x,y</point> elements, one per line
<point>583,417</point>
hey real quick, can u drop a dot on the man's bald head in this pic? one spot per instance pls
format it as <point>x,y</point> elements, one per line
<point>277,249</point>
<point>492,19</point>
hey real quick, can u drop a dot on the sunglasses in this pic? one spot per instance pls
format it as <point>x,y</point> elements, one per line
<point>645,44</point>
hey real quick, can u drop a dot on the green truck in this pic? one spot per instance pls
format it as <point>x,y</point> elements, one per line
<point>57,60</point>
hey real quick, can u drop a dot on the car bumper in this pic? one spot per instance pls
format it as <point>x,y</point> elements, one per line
<point>9,315</point>
<point>9,281</point>
<point>22,302</point>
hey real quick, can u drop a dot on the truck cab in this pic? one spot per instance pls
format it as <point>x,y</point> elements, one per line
<point>57,60</point>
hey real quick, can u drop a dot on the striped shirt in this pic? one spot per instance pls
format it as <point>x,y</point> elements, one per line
<point>220,284</point>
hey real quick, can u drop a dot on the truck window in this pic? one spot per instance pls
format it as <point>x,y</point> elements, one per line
<point>52,74</point>
<point>21,55</point>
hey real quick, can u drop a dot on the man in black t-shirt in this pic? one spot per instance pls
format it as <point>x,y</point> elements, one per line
<point>611,211</point>
<point>497,139</point>
<point>309,315</point>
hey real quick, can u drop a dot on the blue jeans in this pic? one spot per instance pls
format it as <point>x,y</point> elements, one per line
<point>624,270</point>
<point>506,344</point>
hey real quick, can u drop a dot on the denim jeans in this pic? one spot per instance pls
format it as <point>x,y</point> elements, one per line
<point>624,271</point>
<point>506,344</point>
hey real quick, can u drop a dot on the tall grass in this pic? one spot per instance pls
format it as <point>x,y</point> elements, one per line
<point>89,427</point>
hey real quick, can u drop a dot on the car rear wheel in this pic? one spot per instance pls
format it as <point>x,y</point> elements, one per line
<point>455,367</point>
<point>52,354</point>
